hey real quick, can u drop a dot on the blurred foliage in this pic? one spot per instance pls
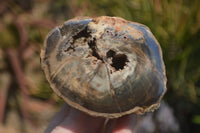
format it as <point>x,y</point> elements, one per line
<point>175,24</point>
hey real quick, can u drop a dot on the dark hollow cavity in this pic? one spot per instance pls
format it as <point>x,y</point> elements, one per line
<point>119,61</point>
<point>93,47</point>
<point>83,33</point>
<point>92,43</point>
<point>110,53</point>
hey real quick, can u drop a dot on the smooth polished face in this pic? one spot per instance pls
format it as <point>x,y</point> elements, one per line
<point>105,66</point>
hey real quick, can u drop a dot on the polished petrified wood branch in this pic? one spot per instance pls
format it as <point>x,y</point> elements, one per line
<point>105,66</point>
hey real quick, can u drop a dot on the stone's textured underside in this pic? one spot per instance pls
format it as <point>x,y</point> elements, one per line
<point>105,66</point>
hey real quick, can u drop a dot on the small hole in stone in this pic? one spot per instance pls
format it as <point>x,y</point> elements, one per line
<point>110,53</point>
<point>119,61</point>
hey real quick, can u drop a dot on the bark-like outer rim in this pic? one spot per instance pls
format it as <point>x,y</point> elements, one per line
<point>135,110</point>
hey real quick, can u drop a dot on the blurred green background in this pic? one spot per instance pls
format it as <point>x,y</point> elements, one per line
<point>26,100</point>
